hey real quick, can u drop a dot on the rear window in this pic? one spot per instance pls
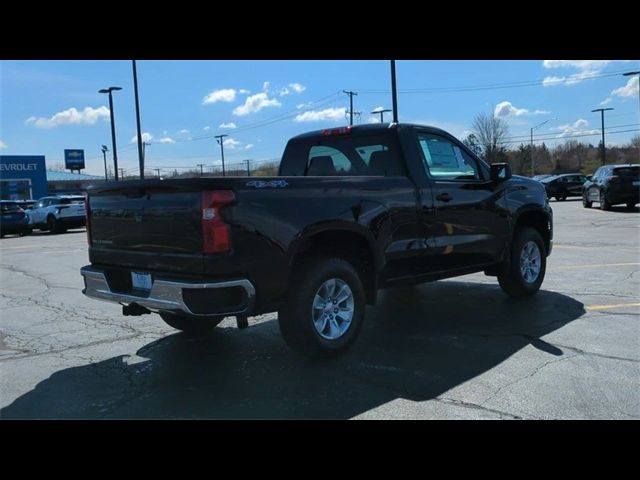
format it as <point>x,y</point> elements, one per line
<point>627,172</point>
<point>335,156</point>
<point>10,208</point>
<point>69,201</point>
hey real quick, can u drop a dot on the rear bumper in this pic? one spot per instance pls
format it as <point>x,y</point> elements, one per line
<point>73,222</point>
<point>168,295</point>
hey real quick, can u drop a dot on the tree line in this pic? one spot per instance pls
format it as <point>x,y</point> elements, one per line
<point>489,140</point>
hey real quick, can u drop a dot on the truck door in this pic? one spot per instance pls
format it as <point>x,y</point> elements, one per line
<point>470,225</point>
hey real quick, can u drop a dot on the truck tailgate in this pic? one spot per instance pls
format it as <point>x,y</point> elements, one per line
<point>155,227</point>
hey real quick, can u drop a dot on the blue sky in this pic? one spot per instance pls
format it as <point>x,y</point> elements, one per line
<point>47,106</point>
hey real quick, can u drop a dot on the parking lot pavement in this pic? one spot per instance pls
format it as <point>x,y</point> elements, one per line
<point>452,349</point>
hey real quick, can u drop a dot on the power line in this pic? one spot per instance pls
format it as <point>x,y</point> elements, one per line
<point>492,86</point>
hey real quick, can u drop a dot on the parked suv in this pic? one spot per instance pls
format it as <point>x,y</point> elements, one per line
<point>612,185</point>
<point>57,214</point>
<point>13,219</point>
<point>565,185</point>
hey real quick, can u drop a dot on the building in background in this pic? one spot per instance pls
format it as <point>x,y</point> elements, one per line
<point>67,183</point>
<point>22,177</point>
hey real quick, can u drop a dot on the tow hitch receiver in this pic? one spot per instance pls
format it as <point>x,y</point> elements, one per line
<point>134,310</point>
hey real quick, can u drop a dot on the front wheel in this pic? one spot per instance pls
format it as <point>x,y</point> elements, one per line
<point>528,264</point>
<point>325,312</point>
<point>190,325</point>
<point>604,202</point>
<point>631,205</point>
<point>586,203</point>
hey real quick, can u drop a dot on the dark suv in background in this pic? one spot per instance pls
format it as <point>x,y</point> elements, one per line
<point>612,185</point>
<point>563,186</point>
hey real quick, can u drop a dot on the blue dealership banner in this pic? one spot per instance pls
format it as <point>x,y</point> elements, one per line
<point>22,177</point>
<point>74,159</point>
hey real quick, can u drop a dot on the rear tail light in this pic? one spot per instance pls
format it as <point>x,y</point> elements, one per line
<point>216,236</point>
<point>87,210</point>
<point>336,131</point>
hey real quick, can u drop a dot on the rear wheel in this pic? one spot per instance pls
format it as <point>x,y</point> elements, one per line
<point>190,325</point>
<point>52,225</point>
<point>604,202</point>
<point>324,314</point>
<point>528,264</point>
<point>561,197</point>
<point>631,205</point>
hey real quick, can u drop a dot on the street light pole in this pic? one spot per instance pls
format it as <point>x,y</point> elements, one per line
<point>104,155</point>
<point>628,74</point>
<point>140,146</point>
<point>394,92</point>
<point>531,146</point>
<point>113,126</point>
<point>604,150</point>
<point>381,112</point>
<point>220,140</point>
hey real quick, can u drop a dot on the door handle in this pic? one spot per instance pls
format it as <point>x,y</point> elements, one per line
<point>444,197</point>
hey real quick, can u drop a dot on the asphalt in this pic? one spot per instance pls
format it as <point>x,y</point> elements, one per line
<point>455,349</point>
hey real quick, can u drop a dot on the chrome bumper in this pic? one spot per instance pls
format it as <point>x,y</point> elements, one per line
<point>165,295</point>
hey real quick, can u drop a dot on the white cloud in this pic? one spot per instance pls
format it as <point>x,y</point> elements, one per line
<point>255,103</point>
<point>184,131</point>
<point>222,95</point>
<point>3,145</point>
<point>265,86</point>
<point>580,64</point>
<point>373,119</point>
<point>72,116</point>
<point>378,109</point>
<point>244,91</point>
<point>606,101</point>
<point>284,91</point>
<point>578,127</point>
<point>586,69</point>
<point>629,90</point>
<point>507,109</point>
<point>165,139</point>
<point>248,146</point>
<point>332,114</point>
<point>207,128</point>
<point>146,137</point>
<point>228,125</point>
<point>231,144</point>
<point>297,87</point>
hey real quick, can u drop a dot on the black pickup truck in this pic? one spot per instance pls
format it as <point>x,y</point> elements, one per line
<point>353,210</point>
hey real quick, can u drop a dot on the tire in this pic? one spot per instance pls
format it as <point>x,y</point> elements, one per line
<point>511,279</point>
<point>631,205</point>
<point>332,333</point>
<point>52,225</point>
<point>197,326</point>
<point>586,203</point>
<point>604,203</point>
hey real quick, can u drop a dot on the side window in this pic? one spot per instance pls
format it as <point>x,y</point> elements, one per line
<point>447,161</point>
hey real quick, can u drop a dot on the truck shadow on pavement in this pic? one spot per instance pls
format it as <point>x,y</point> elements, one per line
<point>417,343</point>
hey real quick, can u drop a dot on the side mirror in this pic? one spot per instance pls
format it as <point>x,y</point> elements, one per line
<point>589,177</point>
<point>500,172</point>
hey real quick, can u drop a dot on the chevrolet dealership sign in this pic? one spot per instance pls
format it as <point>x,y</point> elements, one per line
<point>74,159</point>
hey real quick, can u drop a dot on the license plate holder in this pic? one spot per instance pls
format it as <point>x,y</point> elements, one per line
<point>141,281</point>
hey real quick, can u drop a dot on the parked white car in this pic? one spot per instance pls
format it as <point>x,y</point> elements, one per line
<point>57,214</point>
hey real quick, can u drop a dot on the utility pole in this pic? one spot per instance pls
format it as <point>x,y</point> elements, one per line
<point>351,112</point>
<point>157,170</point>
<point>113,126</point>
<point>104,155</point>
<point>604,150</point>
<point>201,165</point>
<point>394,91</point>
<point>122,173</point>
<point>220,140</point>
<point>140,146</point>
<point>531,146</point>
<point>248,169</point>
